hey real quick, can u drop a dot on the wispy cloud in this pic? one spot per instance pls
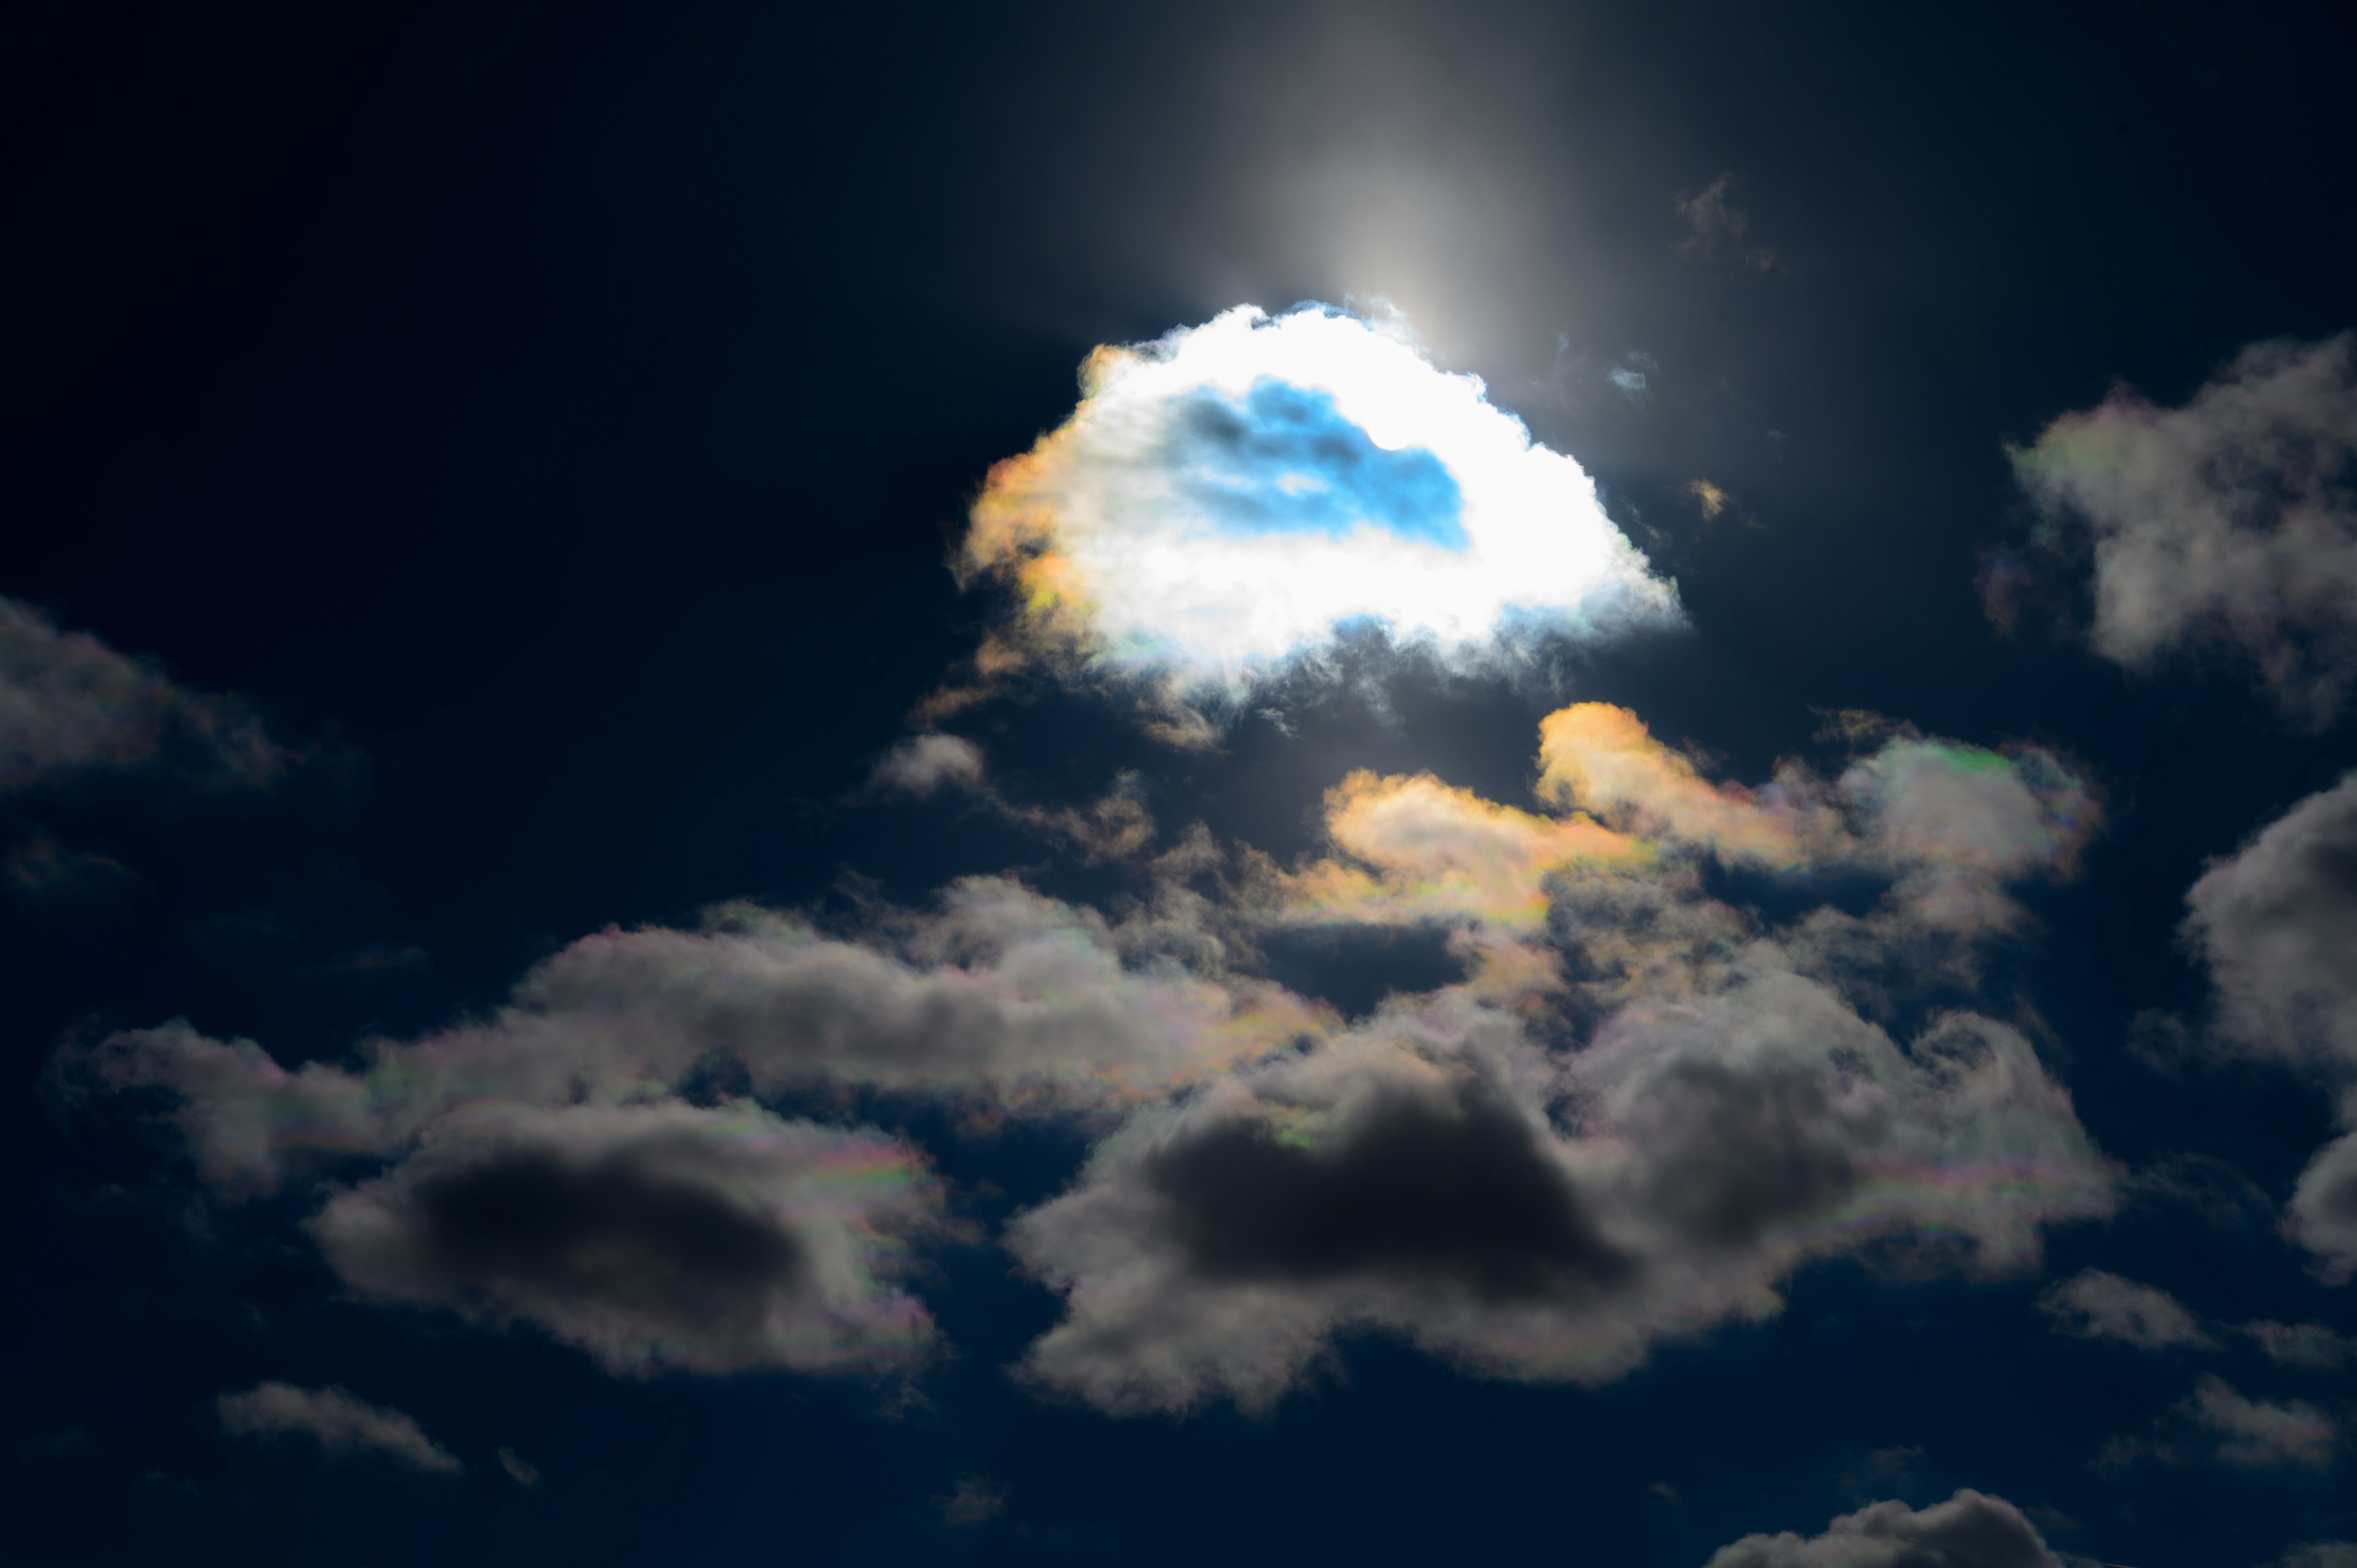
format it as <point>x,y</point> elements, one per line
<point>340,1422</point>
<point>1716,228</point>
<point>2097,1305</point>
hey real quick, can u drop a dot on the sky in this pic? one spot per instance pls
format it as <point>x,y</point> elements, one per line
<point>1372,782</point>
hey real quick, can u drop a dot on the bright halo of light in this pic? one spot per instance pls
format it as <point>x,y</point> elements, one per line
<point>1230,496</point>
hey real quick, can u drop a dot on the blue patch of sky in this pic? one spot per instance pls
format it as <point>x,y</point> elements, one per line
<point>1283,460</point>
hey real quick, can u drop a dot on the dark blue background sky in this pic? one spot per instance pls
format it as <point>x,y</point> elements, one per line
<point>552,418</point>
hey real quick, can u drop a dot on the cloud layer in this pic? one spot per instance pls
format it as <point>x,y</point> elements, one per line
<point>2229,520</point>
<point>1231,495</point>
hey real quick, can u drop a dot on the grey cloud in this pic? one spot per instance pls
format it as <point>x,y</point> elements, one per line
<point>2319,1554</point>
<point>2096,1305</point>
<point>340,1422</point>
<point>1438,1174</point>
<point>1716,228</point>
<point>2228,520</point>
<point>69,703</point>
<point>1971,1529</point>
<point>996,994</point>
<point>2277,923</point>
<point>521,1470</point>
<point>651,1236</point>
<point>2262,1433</point>
<point>922,763</point>
<point>2310,1345</point>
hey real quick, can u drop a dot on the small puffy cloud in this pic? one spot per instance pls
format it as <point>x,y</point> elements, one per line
<point>2275,923</point>
<point>653,1237</point>
<point>1226,498</point>
<point>2310,1345</point>
<point>1716,228</point>
<point>2096,1305</point>
<point>1709,498</point>
<point>340,1422</point>
<point>2217,1421</point>
<point>922,763</point>
<point>1438,1174</point>
<point>972,1499</point>
<point>2230,520</point>
<point>520,1470</point>
<point>2262,1433</point>
<point>1971,1529</point>
<point>70,703</point>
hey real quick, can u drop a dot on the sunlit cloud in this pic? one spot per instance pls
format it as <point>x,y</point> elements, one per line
<point>1971,1529</point>
<point>1229,497</point>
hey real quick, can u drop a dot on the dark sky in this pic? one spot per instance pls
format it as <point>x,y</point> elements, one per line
<point>511,460</point>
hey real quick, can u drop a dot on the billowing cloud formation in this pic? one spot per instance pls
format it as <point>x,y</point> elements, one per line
<point>1438,1174</point>
<point>1228,496</point>
<point>2231,520</point>
<point>69,703</point>
<point>1971,1529</point>
<point>2097,1305</point>
<point>2277,923</point>
<point>337,1420</point>
<point>651,1236</point>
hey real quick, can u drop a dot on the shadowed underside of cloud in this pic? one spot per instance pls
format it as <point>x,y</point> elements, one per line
<point>340,1422</point>
<point>1971,1529</point>
<point>2277,925</point>
<point>70,703</point>
<point>651,1236</point>
<point>1227,497</point>
<point>1438,1174</point>
<point>2229,520</point>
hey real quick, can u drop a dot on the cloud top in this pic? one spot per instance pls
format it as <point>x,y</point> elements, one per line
<point>1226,497</point>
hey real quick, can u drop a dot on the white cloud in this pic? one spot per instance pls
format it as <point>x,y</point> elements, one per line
<point>2096,1304</point>
<point>1229,497</point>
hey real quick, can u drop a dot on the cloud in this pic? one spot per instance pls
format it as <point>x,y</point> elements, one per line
<point>2094,1305</point>
<point>340,1423</point>
<point>1716,227</point>
<point>69,703</point>
<point>2225,1425</point>
<point>655,1237</point>
<point>2310,1345</point>
<point>521,1470</point>
<point>972,1499</point>
<point>2228,521</point>
<point>922,763</point>
<point>1228,498</point>
<point>998,996</point>
<point>2275,923</point>
<point>1971,1529</point>
<point>1439,1175</point>
<point>2319,1554</point>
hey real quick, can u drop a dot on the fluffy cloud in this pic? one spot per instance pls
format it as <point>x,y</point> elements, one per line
<point>1226,497</point>
<point>922,763</point>
<point>1531,1214</point>
<point>1971,1529</point>
<point>340,1422</point>
<point>2302,1344</point>
<point>2096,1304</point>
<point>2277,923</point>
<point>998,995</point>
<point>2217,1421</point>
<point>2228,521</point>
<point>69,703</point>
<point>651,1236</point>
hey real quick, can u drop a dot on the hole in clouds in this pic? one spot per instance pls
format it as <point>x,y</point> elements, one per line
<point>1283,460</point>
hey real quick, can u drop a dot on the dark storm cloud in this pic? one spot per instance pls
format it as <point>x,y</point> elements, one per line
<point>2277,924</point>
<point>1438,1174</point>
<point>340,1422</point>
<point>651,1236</point>
<point>70,703</point>
<point>2229,520</point>
<point>1971,1529</point>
